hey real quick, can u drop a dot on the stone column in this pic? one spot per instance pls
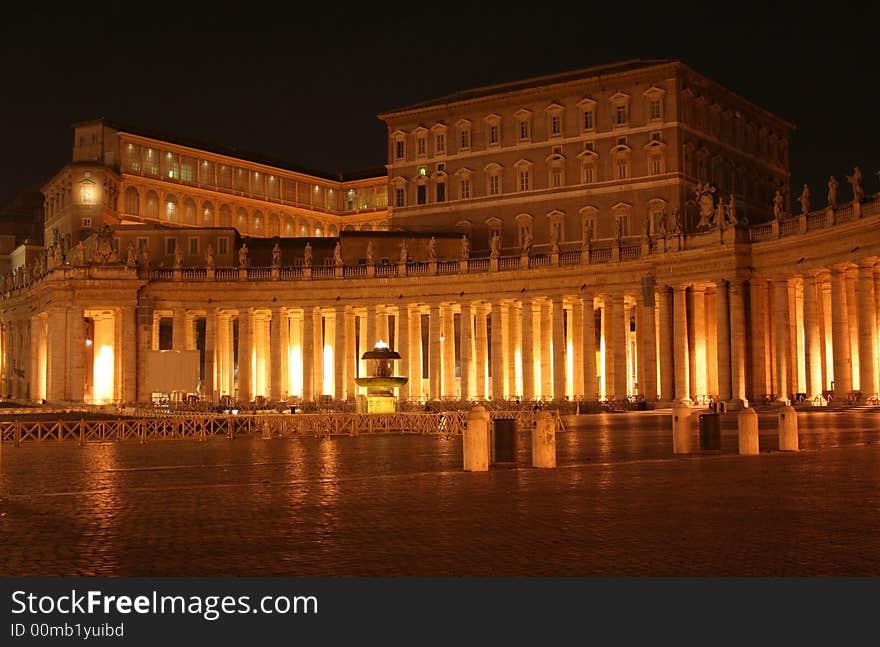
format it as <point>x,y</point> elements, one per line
<point>245,378</point>
<point>401,343</point>
<point>481,350</point>
<point>877,323</point>
<point>852,310</point>
<point>576,330</point>
<point>666,345</point>
<point>318,356</point>
<point>591,387</point>
<point>56,354</point>
<point>865,296</point>
<point>128,351</point>
<point>372,328</point>
<point>178,333</point>
<point>466,332</point>
<point>699,362</point>
<point>210,383</point>
<point>308,354</point>
<point>448,349</point>
<point>840,335</point>
<point>434,349</point>
<point>512,320</point>
<point>339,353</point>
<point>558,343</point>
<point>610,333</point>
<point>546,348</point>
<point>760,328</point>
<point>722,317</point>
<point>382,325</point>
<point>76,360</point>
<point>527,349</point>
<point>646,333</point>
<point>783,348</point>
<point>823,292</point>
<point>497,353</point>
<point>680,343</point>
<point>812,342</point>
<point>259,342</point>
<point>351,358</point>
<point>737,342</point>
<point>620,325</point>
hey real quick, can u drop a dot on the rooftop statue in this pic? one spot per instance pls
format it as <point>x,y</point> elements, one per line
<point>832,192</point>
<point>855,181</point>
<point>307,255</point>
<point>805,200</point>
<point>243,255</point>
<point>465,247</point>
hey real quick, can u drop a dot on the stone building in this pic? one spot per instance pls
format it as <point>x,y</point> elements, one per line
<point>614,233</point>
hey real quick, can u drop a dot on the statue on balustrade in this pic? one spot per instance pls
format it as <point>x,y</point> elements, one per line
<point>276,255</point>
<point>371,253</point>
<point>465,247</point>
<point>832,192</point>
<point>404,252</point>
<point>243,255</point>
<point>731,211</point>
<point>145,257</point>
<point>720,214</point>
<point>706,201</point>
<point>431,249</point>
<point>79,254</point>
<point>495,245</point>
<point>805,200</point>
<point>130,255</point>
<point>178,258</point>
<point>307,255</point>
<point>677,226</point>
<point>337,254</point>
<point>855,181</point>
<point>209,256</point>
<point>526,241</point>
<point>778,206</point>
<point>554,237</point>
<point>104,252</point>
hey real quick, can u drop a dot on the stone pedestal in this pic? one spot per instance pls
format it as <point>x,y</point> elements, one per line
<point>682,429</point>
<point>788,429</point>
<point>475,440</point>
<point>544,441</point>
<point>747,429</point>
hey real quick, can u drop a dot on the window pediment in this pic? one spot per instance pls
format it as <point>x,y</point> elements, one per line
<point>555,216</point>
<point>554,108</point>
<point>655,145</point>
<point>523,163</point>
<point>523,219</point>
<point>398,134</point>
<point>589,210</point>
<point>439,127</point>
<point>421,130</point>
<point>464,172</point>
<point>493,223</point>
<point>492,119</point>
<point>555,157</point>
<point>523,114</point>
<point>619,98</point>
<point>586,103</point>
<point>654,92</point>
<point>621,207</point>
<point>463,123</point>
<point>588,156</point>
<point>493,167</point>
<point>621,149</point>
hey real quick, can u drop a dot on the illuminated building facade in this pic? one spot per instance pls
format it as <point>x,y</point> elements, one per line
<point>609,233</point>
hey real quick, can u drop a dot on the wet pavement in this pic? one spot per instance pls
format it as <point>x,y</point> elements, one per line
<point>619,504</point>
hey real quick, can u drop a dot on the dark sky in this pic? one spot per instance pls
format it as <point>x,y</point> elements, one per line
<point>305,86</point>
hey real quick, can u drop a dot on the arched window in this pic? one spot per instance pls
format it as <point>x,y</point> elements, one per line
<point>332,231</point>
<point>289,228</point>
<point>225,216</point>
<point>171,208</point>
<point>189,211</point>
<point>241,220</point>
<point>132,201</point>
<point>152,205</point>
<point>274,225</point>
<point>319,229</point>
<point>258,228</point>
<point>207,214</point>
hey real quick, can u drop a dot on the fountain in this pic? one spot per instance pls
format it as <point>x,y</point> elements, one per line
<point>380,396</point>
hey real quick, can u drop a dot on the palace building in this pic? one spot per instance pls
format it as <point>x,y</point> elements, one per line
<point>611,233</point>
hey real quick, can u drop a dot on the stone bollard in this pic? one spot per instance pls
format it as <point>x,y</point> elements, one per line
<point>544,440</point>
<point>475,440</point>
<point>682,429</point>
<point>747,426</point>
<point>788,429</point>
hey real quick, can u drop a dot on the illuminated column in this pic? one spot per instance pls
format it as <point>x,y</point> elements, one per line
<point>865,296</point>
<point>244,356</point>
<point>402,346</point>
<point>591,387</point>
<point>318,356</point>
<point>351,358</point>
<point>783,348</point>
<point>760,327</point>
<point>415,359</point>
<point>722,335</point>
<point>466,332</point>
<point>339,357</point>
<point>497,353</point>
<point>852,311</point>
<point>308,354</point>
<point>56,354</point>
<point>527,352</point>
<point>372,317</point>
<point>646,333</point>
<point>154,331</point>
<point>620,326</point>
<point>609,336</point>
<point>666,344</point>
<point>434,350</point>
<point>544,309</point>
<point>812,344</point>
<point>840,334</point>
<point>481,350</point>
<point>558,343</point>
<point>38,359</point>
<point>189,331</point>
<point>382,325</point>
<point>210,383</point>
<point>824,286</point>
<point>576,331</point>
<point>680,343</point>
<point>712,341</point>
<point>737,309</point>
<point>178,336</point>
<point>258,362</point>
<point>127,326</point>
<point>698,326</point>
<point>877,323</point>
<point>511,342</point>
<point>448,348</point>
<point>103,365</point>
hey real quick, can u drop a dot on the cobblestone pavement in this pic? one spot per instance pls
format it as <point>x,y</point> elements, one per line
<point>619,504</point>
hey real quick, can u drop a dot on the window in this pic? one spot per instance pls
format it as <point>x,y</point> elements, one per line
<point>142,243</point>
<point>420,148</point>
<point>589,174</point>
<point>590,146</point>
<point>193,246</point>
<point>656,165</point>
<point>421,194</point>
<point>399,149</point>
<point>465,141</point>
<point>86,223</point>
<point>494,185</point>
<point>170,246</point>
<point>493,134</point>
<point>524,129</point>
<point>654,109</point>
<point>440,143</point>
<point>557,150</point>
<point>524,180</point>
<point>622,169</point>
<point>87,193</point>
<point>620,115</point>
<point>465,189</point>
<point>621,141</point>
<point>441,192</point>
<point>94,138</point>
<point>556,125</point>
<point>398,197</point>
<point>655,137</point>
<point>556,177</point>
<point>223,245</point>
<point>441,166</point>
<point>588,120</point>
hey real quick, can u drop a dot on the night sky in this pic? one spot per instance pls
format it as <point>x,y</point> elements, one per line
<point>305,87</point>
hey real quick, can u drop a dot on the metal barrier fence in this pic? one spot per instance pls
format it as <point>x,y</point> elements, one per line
<point>202,427</point>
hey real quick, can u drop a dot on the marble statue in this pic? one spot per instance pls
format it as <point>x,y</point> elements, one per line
<point>404,252</point>
<point>832,192</point>
<point>526,241</point>
<point>495,245</point>
<point>79,254</point>
<point>778,201</point>
<point>431,249</point>
<point>337,254</point>
<point>209,256</point>
<point>465,247</point>
<point>731,211</point>
<point>554,238</point>
<point>131,255</point>
<point>243,255</point>
<point>307,255</point>
<point>178,258</point>
<point>371,253</point>
<point>855,181</point>
<point>805,200</point>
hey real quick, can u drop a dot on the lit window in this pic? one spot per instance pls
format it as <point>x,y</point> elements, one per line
<point>86,223</point>
<point>87,193</point>
<point>465,192</point>
<point>524,130</point>
<point>494,185</point>
<point>622,170</point>
<point>524,181</point>
<point>654,109</point>
<point>493,134</point>
<point>465,139</point>
<point>621,117</point>
<point>423,171</point>
<point>440,143</point>
<point>421,146</point>
<point>588,120</point>
<point>398,197</point>
<point>555,125</point>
